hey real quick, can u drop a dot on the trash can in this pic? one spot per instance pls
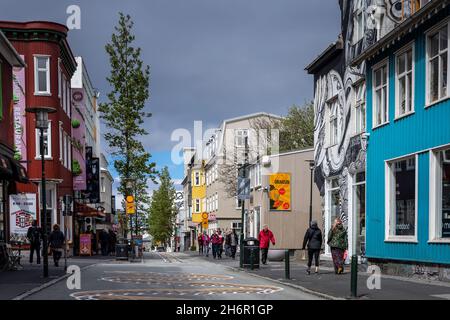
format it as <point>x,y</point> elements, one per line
<point>121,251</point>
<point>251,253</point>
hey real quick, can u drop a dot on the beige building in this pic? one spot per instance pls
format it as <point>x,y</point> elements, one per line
<point>289,225</point>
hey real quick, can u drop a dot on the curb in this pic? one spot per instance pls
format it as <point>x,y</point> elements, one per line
<point>48,284</point>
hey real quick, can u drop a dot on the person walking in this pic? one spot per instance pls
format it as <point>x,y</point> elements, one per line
<point>56,242</point>
<point>200,243</point>
<point>265,236</point>
<point>232,241</point>
<point>112,242</point>
<point>313,239</point>
<point>338,242</point>
<point>215,241</point>
<point>104,242</point>
<point>206,241</point>
<point>220,244</point>
<point>34,235</point>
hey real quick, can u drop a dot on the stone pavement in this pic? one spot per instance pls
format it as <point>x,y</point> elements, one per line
<point>326,282</point>
<point>16,282</point>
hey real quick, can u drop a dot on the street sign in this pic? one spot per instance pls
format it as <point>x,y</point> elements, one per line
<point>130,208</point>
<point>205,220</point>
<point>243,188</point>
<point>130,199</point>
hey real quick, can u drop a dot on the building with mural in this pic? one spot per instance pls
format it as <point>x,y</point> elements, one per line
<point>12,139</point>
<point>408,153</point>
<point>45,82</point>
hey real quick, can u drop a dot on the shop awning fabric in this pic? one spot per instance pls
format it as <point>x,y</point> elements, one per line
<point>12,169</point>
<point>83,210</point>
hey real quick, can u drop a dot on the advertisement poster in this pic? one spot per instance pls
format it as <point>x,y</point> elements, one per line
<point>85,244</point>
<point>280,192</point>
<point>78,141</point>
<point>22,213</point>
<point>20,133</point>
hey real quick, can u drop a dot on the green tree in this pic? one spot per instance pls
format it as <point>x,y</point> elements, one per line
<point>124,113</point>
<point>297,128</point>
<point>162,209</point>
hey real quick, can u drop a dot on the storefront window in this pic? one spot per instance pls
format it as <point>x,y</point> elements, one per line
<point>335,201</point>
<point>359,196</point>
<point>444,186</point>
<point>402,194</point>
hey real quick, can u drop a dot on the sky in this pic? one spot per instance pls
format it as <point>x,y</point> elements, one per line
<point>210,60</point>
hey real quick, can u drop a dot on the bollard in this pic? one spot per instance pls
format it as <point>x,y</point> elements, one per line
<point>286,264</point>
<point>251,258</point>
<point>354,276</point>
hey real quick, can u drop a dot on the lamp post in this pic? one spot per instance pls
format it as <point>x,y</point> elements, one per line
<point>311,168</point>
<point>243,175</point>
<point>42,124</point>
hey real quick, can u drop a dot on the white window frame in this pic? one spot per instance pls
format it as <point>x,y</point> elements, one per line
<point>435,202</point>
<point>358,34</point>
<point>197,205</point>
<point>241,134</point>
<point>36,73</point>
<point>390,200</point>
<point>203,208</point>
<point>403,51</point>
<point>216,206</point>
<point>47,156</point>
<point>69,152</point>
<point>375,68</point>
<point>60,142</point>
<point>428,33</point>
<point>197,178</point>
<point>65,149</point>
<point>332,120</point>
<point>59,78</point>
<point>360,104</point>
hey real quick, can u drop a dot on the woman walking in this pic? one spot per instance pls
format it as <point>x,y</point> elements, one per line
<point>313,238</point>
<point>56,241</point>
<point>200,243</point>
<point>206,241</point>
<point>338,242</point>
<point>215,241</point>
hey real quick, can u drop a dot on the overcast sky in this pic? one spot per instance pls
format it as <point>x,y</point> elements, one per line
<point>210,59</point>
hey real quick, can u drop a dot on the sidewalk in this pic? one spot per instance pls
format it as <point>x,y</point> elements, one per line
<point>338,286</point>
<point>16,282</point>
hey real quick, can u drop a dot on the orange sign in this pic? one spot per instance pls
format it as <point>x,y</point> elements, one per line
<point>280,192</point>
<point>85,244</point>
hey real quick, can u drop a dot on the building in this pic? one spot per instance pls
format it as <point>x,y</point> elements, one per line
<point>107,200</point>
<point>408,154</point>
<point>188,230</point>
<point>50,65</point>
<point>288,219</point>
<point>11,171</point>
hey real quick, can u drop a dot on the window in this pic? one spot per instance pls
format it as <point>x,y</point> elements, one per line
<point>59,78</point>
<point>258,175</point>
<point>60,142</point>
<point>65,150</point>
<point>440,195</point>
<point>69,152</point>
<point>41,75</point>
<point>64,93</point>
<point>47,142</point>
<point>358,28</point>
<point>196,178</point>
<point>380,89</point>
<point>401,199</point>
<point>360,109</point>
<point>102,182</point>
<point>68,102</point>
<point>216,206</point>
<point>334,133</point>
<point>197,205</point>
<point>240,137</point>
<point>203,204</point>
<point>404,79</point>
<point>359,211</point>
<point>437,64</point>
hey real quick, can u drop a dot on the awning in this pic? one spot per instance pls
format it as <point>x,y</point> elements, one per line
<point>83,210</point>
<point>20,174</point>
<point>6,171</point>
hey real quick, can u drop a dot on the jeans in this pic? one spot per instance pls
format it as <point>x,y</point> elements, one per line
<point>35,247</point>
<point>215,250</point>
<point>57,253</point>
<point>233,251</point>
<point>200,249</point>
<point>206,250</point>
<point>313,253</point>
<point>264,252</point>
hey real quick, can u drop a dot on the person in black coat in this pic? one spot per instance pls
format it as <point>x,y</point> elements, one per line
<point>56,241</point>
<point>313,238</point>
<point>34,235</point>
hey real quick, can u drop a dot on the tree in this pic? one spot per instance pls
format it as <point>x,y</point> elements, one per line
<point>297,128</point>
<point>124,113</point>
<point>162,209</point>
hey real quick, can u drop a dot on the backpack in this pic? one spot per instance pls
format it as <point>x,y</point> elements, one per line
<point>35,235</point>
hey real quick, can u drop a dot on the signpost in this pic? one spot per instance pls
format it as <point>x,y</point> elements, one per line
<point>204,220</point>
<point>130,205</point>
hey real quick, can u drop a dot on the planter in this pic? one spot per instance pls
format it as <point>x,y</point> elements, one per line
<point>75,123</point>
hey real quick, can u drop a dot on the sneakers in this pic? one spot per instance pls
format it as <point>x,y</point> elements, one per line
<point>317,270</point>
<point>308,271</point>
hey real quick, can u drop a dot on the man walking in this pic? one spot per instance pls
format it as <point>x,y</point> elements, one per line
<point>34,235</point>
<point>313,237</point>
<point>265,237</point>
<point>232,241</point>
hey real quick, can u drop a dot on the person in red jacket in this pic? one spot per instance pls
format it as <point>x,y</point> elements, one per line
<point>265,237</point>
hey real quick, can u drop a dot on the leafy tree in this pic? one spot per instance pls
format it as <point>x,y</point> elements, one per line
<point>162,209</point>
<point>297,128</point>
<point>124,113</point>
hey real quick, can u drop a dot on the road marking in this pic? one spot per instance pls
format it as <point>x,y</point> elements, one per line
<point>442,296</point>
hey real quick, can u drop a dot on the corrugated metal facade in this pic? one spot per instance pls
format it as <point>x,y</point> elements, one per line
<point>427,128</point>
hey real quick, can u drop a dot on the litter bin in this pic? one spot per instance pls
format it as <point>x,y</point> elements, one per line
<point>121,251</point>
<point>251,253</point>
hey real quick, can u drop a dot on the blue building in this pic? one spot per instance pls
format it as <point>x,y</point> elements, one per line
<point>408,149</point>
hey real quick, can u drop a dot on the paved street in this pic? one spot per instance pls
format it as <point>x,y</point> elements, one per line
<point>168,276</point>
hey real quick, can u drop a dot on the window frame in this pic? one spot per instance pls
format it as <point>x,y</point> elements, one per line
<point>36,75</point>
<point>428,33</point>
<point>241,133</point>
<point>435,209</point>
<point>389,191</point>
<point>47,156</point>
<point>403,51</point>
<point>375,68</point>
<point>357,37</point>
<point>359,103</point>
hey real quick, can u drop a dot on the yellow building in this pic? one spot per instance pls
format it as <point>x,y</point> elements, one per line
<point>198,185</point>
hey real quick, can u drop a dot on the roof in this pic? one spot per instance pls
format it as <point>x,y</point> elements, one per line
<point>330,52</point>
<point>429,10</point>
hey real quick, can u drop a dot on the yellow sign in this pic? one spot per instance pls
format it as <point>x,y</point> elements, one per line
<point>130,199</point>
<point>280,192</point>
<point>130,208</point>
<point>197,218</point>
<point>205,224</point>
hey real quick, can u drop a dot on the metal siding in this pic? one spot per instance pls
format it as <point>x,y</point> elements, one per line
<point>426,128</point>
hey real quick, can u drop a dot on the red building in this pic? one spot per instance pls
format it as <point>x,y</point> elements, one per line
<point>10,169</point>
<point>50,65</point>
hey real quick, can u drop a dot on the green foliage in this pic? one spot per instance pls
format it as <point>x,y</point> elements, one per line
<point>297,128</point>
<point>162,209</point>
<point>76,168</point>
<point>76,123</point>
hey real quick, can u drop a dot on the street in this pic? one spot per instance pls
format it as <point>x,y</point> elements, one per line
<point>163,275</point>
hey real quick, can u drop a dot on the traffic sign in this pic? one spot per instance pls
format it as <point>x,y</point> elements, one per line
<point>205,224</point>
<point>130,199</point>
<point>130,207</point>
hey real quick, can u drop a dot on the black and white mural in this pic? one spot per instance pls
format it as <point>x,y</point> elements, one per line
<point>363,23</point>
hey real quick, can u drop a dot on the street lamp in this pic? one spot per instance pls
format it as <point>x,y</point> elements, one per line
<point>311,168</point>
<point>42,124</point>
